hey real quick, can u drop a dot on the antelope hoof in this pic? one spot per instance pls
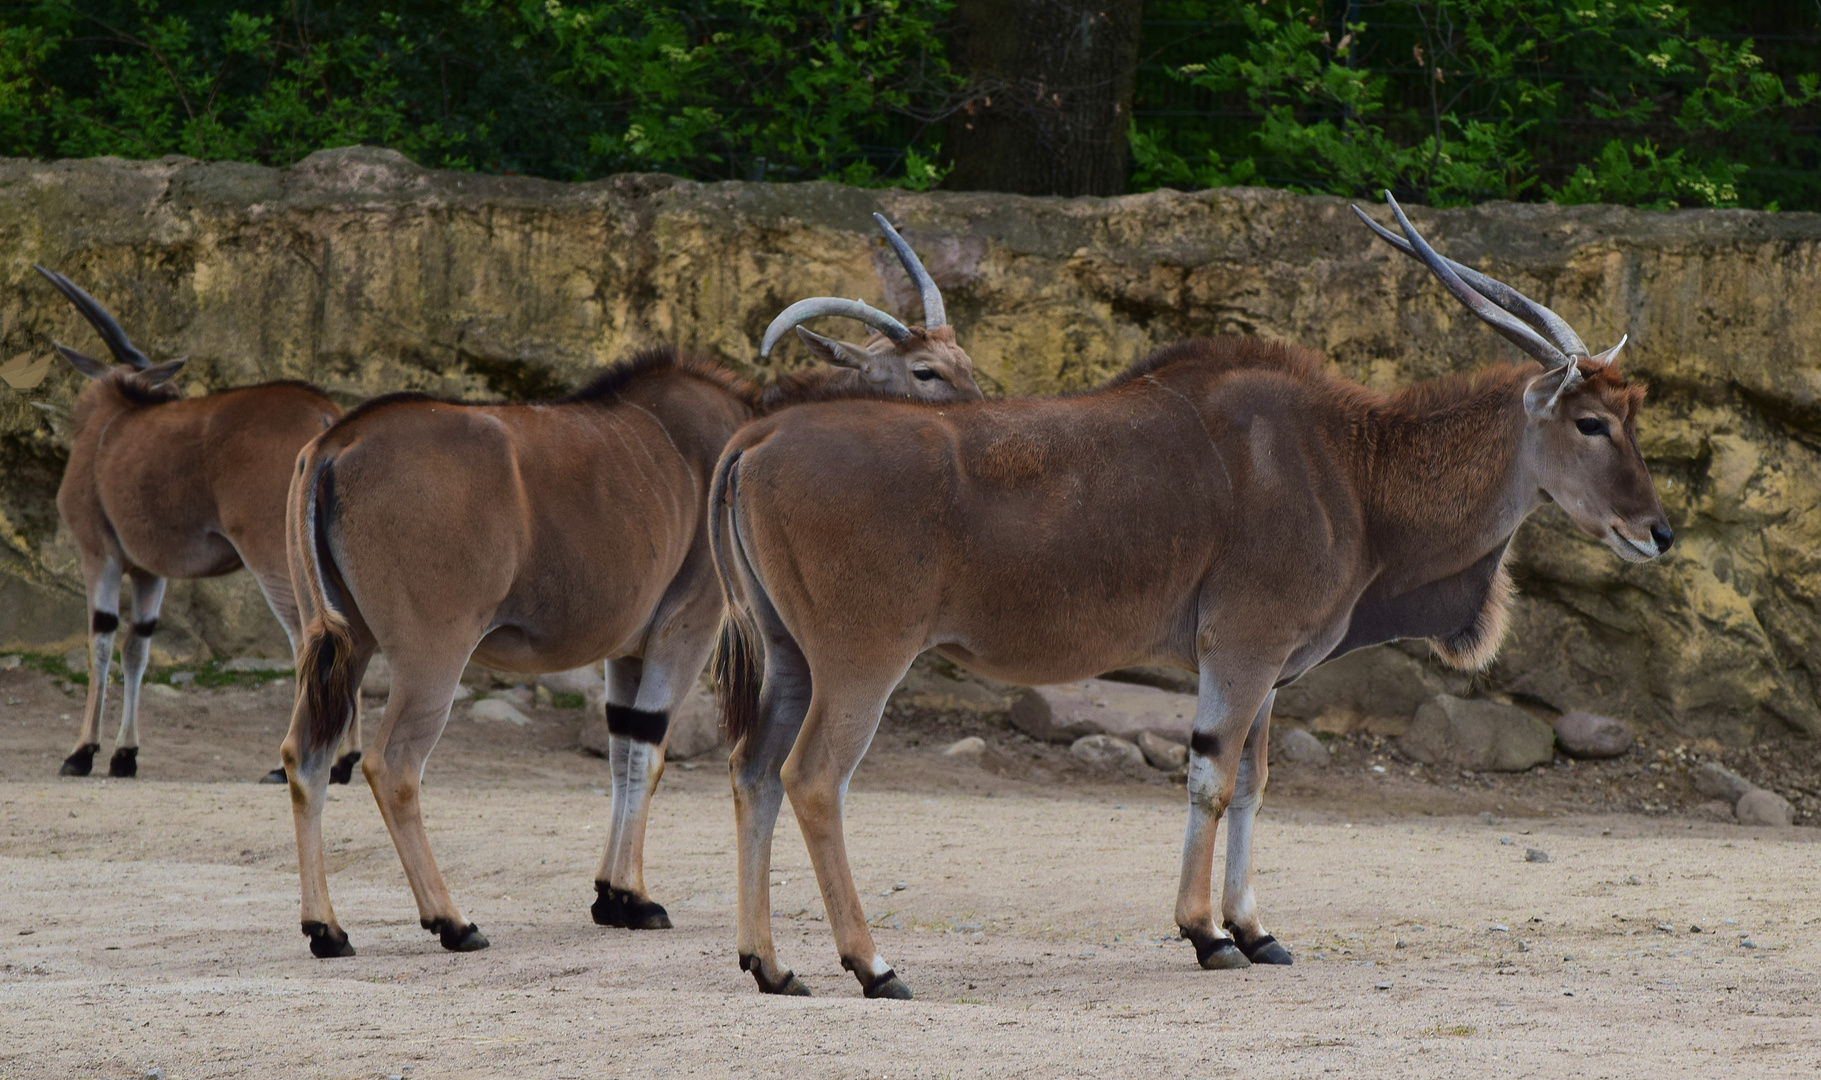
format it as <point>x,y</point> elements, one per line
<point>276,776</point>
<point>890,988</point>
<point>1263,949</point>
<point>125,762</point>
<point>339,773</point>
<point>788,986</point>
<point>463,937</point>
<point>607,909</point>
<point>327,941</point>
<point>1216,953</point>
<point>644,914</point>
<point>80,762</point>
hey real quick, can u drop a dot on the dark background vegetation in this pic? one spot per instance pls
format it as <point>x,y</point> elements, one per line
<point>1675,103</point>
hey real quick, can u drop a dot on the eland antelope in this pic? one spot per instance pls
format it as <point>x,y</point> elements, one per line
<point>539,538</point>
<point>1228,506</point>
<point>161,486</point>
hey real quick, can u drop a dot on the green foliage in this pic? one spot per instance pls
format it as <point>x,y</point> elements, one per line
<point>1456,101</point>
<point>795,89</point>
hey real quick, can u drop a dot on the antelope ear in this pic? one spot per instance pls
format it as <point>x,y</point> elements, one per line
<point>838,353</point>
<point>1545,391</point>
<point>88,365</point>
<point>158,373</point>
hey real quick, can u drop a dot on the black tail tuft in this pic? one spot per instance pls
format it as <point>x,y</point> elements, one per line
<point>325,669</point>
<point>737,679</point>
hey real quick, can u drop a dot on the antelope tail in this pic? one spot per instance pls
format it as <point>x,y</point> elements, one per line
<point>736,662</point>
<point>325,672</point>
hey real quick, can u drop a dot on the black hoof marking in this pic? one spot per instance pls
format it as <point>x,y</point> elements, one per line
<point>465,937</point>
<point>607,908</point>
<point>788,986</point>
<point>326,943</point>
<point>622,908</point>
<point>1263,949</point>
<point>276,776</point>
<point>80,762</point>
<point>125,762</point>
<point>1216,953</point>
<point>342,771</point>
<point>891,988</point>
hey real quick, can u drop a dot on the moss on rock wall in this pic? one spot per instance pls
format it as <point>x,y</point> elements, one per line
<point>363,273</point>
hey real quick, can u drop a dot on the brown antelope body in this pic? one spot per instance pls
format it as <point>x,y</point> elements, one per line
<point>1227,506</point>
<point>536,538</point>
<point>161,486</point>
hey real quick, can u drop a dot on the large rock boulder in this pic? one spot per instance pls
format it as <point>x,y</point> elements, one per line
<point>1716,781</point>
<point>1588,735</point>
<point>1762,807</point>
<point>1478,735</point>
<point>934,682</point>
<point>1068,711</point>
<point>1298,747</point>
<point>1377,689</point>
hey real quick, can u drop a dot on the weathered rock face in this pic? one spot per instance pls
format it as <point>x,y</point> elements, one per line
<point>363,273</point>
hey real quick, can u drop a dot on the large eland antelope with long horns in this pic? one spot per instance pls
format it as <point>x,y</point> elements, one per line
<point>1225,505</point>
<point>161,486</point>
<point>539,538</point>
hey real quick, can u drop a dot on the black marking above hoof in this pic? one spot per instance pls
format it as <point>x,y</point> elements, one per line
<point>343,770</point>
<point>788,986</point>
<point>81,762</point>
<point>1263,949</point>
<point>276,776</point>
<point>607,908</point>
<point>125,762</point>
<point>1216,953</point>
<point>465,937</point>
<point>327,942</point>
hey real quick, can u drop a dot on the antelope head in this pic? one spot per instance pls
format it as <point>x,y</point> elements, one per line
<point>923,364</point>
<point>133,374</point>
<point>1581,414</point>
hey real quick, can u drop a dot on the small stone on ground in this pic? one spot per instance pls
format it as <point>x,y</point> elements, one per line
<point>1106,752</point>
<point>1591,736</point>
<point>970,748</point>
<point>1299,747</point>
<point>1162,753</point>
<point>1719,782</point>
<point>497,709</point>
<point>1762,807</point>
<point>1535,855</point>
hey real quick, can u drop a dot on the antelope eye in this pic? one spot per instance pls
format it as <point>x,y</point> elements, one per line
<point>1592,426</point>
<point>925,374</point>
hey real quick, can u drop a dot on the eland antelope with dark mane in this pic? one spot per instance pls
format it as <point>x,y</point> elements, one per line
<point>1227,505</point>
<point>162,486</point>
<point>534,538</point>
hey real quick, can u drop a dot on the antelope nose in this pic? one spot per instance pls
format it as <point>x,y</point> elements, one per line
<point>1663,537</point>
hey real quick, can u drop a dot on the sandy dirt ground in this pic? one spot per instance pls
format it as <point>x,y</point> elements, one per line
<point>152,923</point>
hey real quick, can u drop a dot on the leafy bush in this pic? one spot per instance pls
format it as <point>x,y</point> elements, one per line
<point>1455,101</point>
<point>795,89</point>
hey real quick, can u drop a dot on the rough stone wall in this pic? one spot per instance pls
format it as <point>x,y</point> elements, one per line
<point>363,273</point>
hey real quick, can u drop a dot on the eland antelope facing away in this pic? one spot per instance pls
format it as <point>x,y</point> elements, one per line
<point>538,538</point>
<point>1225,505</point>
<point>161,486</point>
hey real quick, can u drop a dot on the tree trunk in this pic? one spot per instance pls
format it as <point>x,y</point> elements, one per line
<point>1052,95</point>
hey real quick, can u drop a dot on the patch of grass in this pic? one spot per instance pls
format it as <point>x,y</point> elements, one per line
<point>1459,1031</point>
<point>211,676</point>
<point>567,701</point>
<point>53,666</point>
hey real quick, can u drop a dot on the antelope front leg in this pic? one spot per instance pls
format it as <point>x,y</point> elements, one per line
<point>103,579</point>
<point>1222,724</point>
<point>816,776</point>
<point>148,597</point>
<point>1238,905</point>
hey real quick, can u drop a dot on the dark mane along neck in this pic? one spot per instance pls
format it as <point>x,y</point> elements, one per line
<point>658,360</point>
<point>1225,353</point>
<point>812,384</point>
<point>1437,466</point>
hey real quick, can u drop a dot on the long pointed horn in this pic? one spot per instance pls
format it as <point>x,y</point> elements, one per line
<point>805,310</point>
<point>1514,330</point>
<point>934,314</point>
<point>1497,291</point>
<point>98,317</point>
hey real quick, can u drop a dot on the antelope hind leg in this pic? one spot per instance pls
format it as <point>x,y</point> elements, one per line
<point>1238,905</point>
<point>416,713</point>
<point>342,771</point>
<point>306,751</point>
<point>1223,720</point>
<point>102,576</point>
<point>835,736</point>
<point>758,793</point>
